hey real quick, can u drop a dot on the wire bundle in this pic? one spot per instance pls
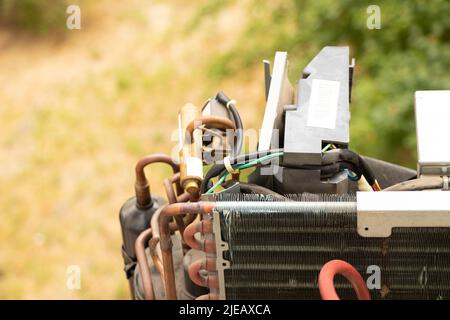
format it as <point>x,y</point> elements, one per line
<point>333,161</point>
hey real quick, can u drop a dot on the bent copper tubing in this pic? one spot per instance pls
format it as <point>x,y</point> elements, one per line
<point>202,227</point>
<point>145,272</point>
<point>208,264</point>
<point>176,179</point>
<point>333,267</point>
<point>166,241</point>
<point>173,227</point>
<point>172,198</point>
<point>153,253</point>
<point>141,187</point>
<point>217,122</point>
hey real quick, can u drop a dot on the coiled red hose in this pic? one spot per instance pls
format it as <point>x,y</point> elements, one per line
<point>326,277</point>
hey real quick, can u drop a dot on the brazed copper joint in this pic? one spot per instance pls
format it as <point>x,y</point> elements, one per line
<point>191,168</point>
<point>166,242</point>
<point>141,187</point>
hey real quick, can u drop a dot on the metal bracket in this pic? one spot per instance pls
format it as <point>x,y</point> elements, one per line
<point>221,263</point>
<point>281,93</point>
<point>267,77</point>
<point>379,212</point>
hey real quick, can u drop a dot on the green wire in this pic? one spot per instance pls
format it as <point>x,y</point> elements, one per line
<point>243,166</point>
<point>217,184</point>
<point>326,147</point>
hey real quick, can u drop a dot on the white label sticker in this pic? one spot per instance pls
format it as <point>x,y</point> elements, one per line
<point>323,104</point>
<point>194,167</point>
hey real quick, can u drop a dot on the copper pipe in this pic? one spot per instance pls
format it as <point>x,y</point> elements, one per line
<point>184,197</point>
<point>155,258</point>
<point>166,241</point>
<point>169,275</point>
<point>202,227</point>
<point>208,264</point>
<point>173,227</point>
<point>141,187</point>
<point>189,235</point>
<point>217,122</point>
<point>176,179</point>
<point>202,207</point>
<point>172,198</point>
<point>153,244</point>
<point>144,269</point>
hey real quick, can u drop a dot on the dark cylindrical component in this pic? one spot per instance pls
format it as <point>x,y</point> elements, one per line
<point>224,100</point>
<point>133,221</point>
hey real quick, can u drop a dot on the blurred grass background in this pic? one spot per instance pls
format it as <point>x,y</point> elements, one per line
<point>78,108</point>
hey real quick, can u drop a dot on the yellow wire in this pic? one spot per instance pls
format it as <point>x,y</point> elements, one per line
<point>377,186</point>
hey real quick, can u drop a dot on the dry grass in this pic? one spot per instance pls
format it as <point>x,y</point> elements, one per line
<point>75,116</point>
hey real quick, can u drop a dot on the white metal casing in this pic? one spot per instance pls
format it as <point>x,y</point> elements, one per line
<point>432,110</point>
<point>379,212</point>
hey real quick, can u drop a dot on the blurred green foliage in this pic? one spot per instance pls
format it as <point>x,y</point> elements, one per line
<point>36,16</point>
<point>410,52</point>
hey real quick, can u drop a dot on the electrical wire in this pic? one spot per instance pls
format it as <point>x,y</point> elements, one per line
<point>227,102</point>
<point>352,176</point>
<point>333,161</point>
<point>219,168</point>
<point>244,166</point>
<point>376,186</point>
<point>328,146</point>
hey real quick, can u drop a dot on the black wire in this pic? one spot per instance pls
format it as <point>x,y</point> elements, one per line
<point>239,129</point>
<point>345,155</point>
<point>333,161</point>
<point>224,100</point>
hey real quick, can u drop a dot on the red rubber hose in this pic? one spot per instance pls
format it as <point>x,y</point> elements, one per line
<point>326,277</point>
